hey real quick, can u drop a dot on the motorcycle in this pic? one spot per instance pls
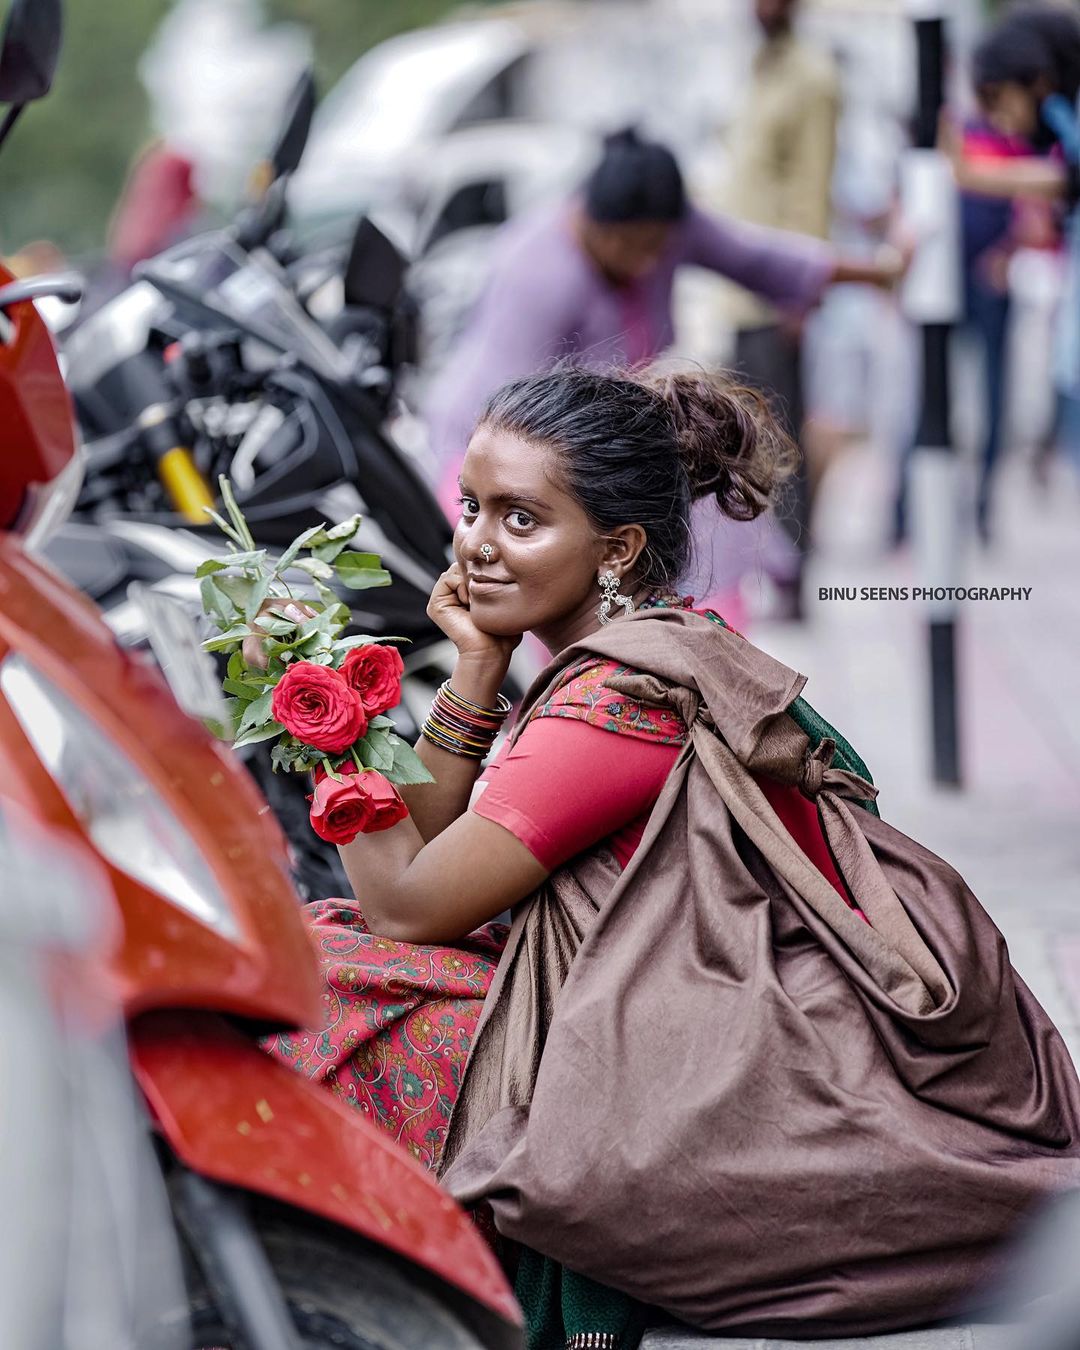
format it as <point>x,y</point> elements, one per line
<point>299,1223</point>
<point>212,363</point>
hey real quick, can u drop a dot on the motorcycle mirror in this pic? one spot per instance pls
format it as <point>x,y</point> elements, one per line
<point>375,270</point>
<point>299,110</point>
<point>30,50</point>
<point>255,224</point>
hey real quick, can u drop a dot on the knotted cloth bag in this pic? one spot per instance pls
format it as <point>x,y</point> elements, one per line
<point>708,1084</point>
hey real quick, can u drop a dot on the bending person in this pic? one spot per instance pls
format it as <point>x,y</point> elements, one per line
<point>593,277</point>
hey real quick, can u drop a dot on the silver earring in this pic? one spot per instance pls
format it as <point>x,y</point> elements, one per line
<point>486,552</point>
<point>609,589</point>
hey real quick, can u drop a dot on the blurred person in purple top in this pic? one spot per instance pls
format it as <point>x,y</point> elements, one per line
<point>592,278</point>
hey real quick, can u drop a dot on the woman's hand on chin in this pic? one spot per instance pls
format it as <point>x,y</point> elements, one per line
<point>449,609</point>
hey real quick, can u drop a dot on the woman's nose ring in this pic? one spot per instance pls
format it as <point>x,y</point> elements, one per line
<point>486,552</point>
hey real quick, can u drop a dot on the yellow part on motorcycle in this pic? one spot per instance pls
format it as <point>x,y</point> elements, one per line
<point>187,488</point>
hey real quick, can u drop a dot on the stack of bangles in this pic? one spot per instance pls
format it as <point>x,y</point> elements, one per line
<point>461,727</point>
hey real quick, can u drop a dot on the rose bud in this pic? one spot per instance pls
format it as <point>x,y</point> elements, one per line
<point>356,803</point>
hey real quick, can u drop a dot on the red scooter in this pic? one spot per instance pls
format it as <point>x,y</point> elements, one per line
<point>301,1224</point>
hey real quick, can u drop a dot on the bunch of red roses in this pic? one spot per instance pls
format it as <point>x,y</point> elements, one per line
<point>322,697</point>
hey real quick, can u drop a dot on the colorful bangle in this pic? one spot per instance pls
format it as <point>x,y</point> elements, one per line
<point>446,741</point>
<point>498,714</point>
<point>461,727</point>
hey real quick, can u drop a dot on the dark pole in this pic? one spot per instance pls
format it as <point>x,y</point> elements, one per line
<point>935,458</point>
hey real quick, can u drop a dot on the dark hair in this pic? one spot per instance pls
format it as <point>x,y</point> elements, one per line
<point>1028,45</point>
<point>638,449</point>
<point>634,180</point>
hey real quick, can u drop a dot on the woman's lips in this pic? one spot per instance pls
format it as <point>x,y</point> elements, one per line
<point>486,585</point>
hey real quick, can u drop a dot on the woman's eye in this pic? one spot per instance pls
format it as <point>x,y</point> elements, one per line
<point>520,520</point>
<point>469,506</point>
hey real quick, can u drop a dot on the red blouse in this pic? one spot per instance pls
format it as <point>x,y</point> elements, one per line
<point>569,783</point>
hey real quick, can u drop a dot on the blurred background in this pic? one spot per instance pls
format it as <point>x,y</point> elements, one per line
<point>444,122</point>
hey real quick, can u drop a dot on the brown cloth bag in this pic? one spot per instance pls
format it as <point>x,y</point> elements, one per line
<point>709,1084</point>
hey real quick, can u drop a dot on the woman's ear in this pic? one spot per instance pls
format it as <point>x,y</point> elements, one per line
<point>622,548</point>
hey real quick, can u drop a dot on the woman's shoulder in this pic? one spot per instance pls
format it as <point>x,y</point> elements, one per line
<point>591,690</point>
<point>586,694</point>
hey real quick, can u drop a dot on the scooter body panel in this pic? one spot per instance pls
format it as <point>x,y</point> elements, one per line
<point>35,411</point>
<point>231,1113</point>
<point>168,957</point>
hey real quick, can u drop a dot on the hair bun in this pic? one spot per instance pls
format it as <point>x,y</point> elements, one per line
<point>635,179</point>
<point>731,445</point>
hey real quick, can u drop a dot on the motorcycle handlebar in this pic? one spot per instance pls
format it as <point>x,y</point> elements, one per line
<point>69,289</point>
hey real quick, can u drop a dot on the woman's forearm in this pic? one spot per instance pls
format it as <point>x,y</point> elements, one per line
<point>884,269</point>
<point>1030,176</point>
<point>433,806</point>
<point>375,865</point>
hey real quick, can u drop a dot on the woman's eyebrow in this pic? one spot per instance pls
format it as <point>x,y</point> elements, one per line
<point>510,498</point>
<point>516,498</point>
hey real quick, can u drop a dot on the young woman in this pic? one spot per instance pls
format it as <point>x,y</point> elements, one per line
<point>709,997</point>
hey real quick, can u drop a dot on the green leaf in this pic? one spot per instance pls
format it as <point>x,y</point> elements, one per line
<point>235,709</point>
<point>360,571</point>
<point>257,713</point>
<point>408,769</point>
<point>226,639</point>
<point>249,558</point>
<point>259,591</point>
<point>328,552</point>
<point>314,568</point>
<point>236,588</point>
<point>288,558</point>
<point>340,533</point>
<point>210,565</point>
<point>318,634</point>
<point>257,734</point>
<point>224,526</point>
<point>215,603</point>
<point>243,690</point>
<point>286,753</point>
<point>343,645</point>
<point>378,722</point>
<point>375,751</point>
<point>236,669</point>
<point>273,626</point>
<point>235,514</point>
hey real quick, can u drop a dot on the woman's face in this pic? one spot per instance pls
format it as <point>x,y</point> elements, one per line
<point>626,252</point>
<point>546,554</point>
<point>1011,109</point>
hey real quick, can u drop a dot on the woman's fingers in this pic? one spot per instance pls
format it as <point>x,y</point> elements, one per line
<point>253,652</point>
<point>450,592</point>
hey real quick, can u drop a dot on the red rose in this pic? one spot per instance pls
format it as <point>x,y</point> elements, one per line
<point>314,704</point>
<point>360,803</point>
<point>374,672</point>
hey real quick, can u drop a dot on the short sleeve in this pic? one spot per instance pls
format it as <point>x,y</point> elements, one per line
<point>566,786</point>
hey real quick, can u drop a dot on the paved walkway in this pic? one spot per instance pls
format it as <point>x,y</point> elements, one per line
<point>1013,829</point>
